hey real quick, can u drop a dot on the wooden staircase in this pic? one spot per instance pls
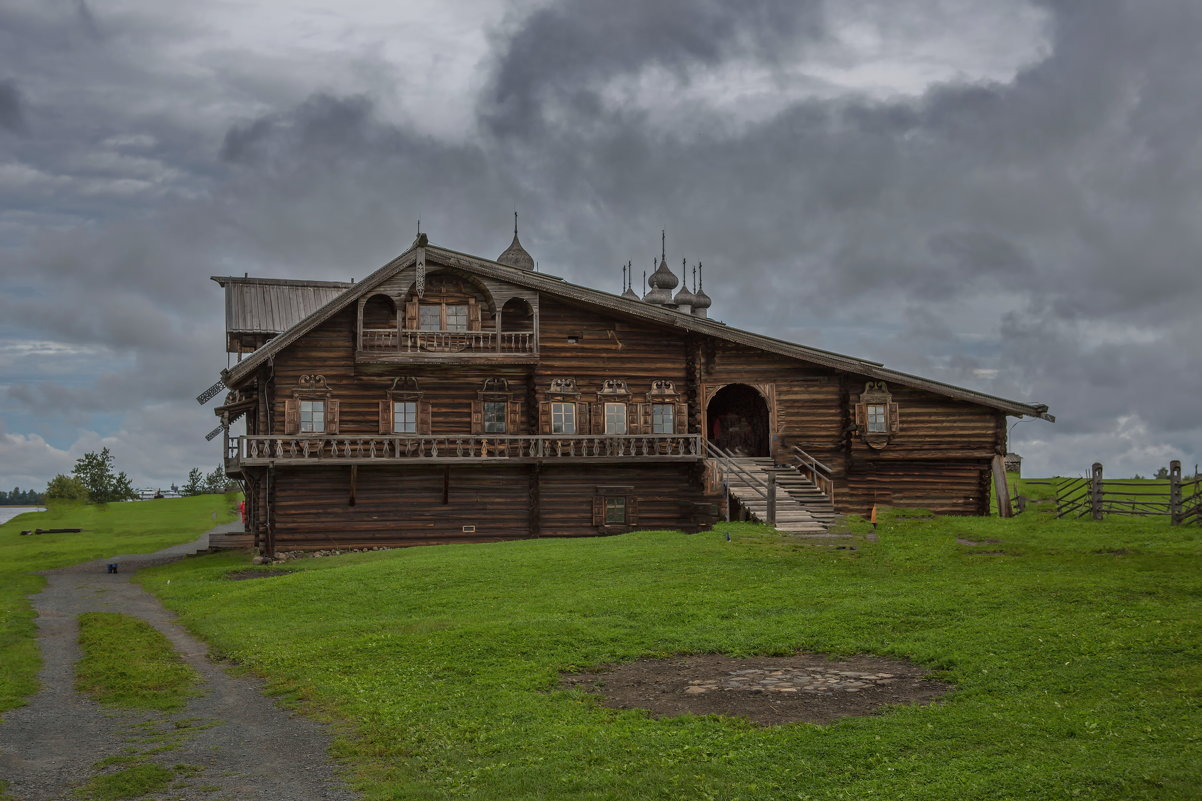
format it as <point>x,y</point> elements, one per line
<point>801,508</point>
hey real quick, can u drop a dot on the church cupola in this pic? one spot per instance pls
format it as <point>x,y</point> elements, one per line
<point>701,301</point>
<point>628,288</point>
<point>663,280</point>
<point>685,299</point>
<point>515,255</point>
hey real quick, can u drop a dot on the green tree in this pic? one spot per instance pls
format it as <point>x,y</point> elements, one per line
<point>66,488</point>
<point>95,471</point>
<point>1162,473</point>
<point>217,481</point>
<point>196,482</point>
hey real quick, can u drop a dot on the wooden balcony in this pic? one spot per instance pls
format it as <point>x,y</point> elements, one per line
<point>252,451</point>
<point>390,345</point>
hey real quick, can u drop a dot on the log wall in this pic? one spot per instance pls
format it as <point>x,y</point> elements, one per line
<point>938,459</point>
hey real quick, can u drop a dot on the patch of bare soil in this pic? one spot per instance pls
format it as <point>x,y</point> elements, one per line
<point>243,575</point>
<point>769,690</point>
<point>974,543</point>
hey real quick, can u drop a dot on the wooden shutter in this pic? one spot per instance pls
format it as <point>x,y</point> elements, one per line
<point>680,418</point>
<point>598,510</point>
<point>598,419</point>
<point>582,418</point>
<point>894,426</point>
<point>477,417</point>
<point>515,418</point>
<point>411,315</point>
<point>632,510</point>
<point>331,416</point>
<point>862,416</point>
<point>473,315</point>
<point>544,418</point>
<point>291,416</point>
<point>425,422</point>
<point>642,414</point>
<point>386,416</point>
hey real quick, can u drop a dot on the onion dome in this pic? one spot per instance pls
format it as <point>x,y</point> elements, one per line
<point>515,255</point>
<point>684,297</point>
<point>662,281</point>
<point>628,290</point>
<point>701,301</point>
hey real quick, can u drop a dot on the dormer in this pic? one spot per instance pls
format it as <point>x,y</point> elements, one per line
<point>437,313</point>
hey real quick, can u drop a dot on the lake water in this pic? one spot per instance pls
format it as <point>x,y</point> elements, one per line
<point>9,512</point>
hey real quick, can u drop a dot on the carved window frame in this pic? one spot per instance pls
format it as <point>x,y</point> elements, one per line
<point>311,387</point>
<point>563,389</point>
<point>876,404</point>
<point>497,390</point>
<point>405,389</point>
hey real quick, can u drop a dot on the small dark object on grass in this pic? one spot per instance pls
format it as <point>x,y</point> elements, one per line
<point>26,532</point>
<point>112,567</point>
<point>57,530</point>
<point>728,536</point>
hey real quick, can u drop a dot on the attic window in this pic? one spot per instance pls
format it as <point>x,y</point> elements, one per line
<point>573,339</point>
<point>876,414</point>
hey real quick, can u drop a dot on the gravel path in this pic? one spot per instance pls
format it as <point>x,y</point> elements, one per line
<point>231,743</point>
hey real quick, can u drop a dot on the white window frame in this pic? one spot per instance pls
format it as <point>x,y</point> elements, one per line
<point>663,418</point>
<point>404,417</point>
<point>311,417</point>
<point>877,418</point>
<point>563,418</point>
<point>614,411</point>
<point>457,309</point>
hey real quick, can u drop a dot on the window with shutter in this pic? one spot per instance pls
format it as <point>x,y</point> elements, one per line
<point>331,416</point>
<point>496,414</point>
<point>615,419</point>
<point>876,415</point>
<point>663,418</point>
<point>386,417</point>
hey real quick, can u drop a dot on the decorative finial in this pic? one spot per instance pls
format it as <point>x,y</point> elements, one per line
<point>419,226</point>
<point>515,222</point>
<point>663,244</point>
<point>623,277</point>
<point>700,285</point>
<point>695,279</point>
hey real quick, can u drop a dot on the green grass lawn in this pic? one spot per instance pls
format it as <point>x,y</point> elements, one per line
<point>118,528</point>
<point>127,662</point>
<point>1076,654</point>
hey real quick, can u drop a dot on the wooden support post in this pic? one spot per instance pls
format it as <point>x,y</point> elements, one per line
<point>354,484</point>
<point>771,498</point>
<point>1176,512</point>
<point>1000,487</point>
<point>1095,491</point>
<point>726,500</point>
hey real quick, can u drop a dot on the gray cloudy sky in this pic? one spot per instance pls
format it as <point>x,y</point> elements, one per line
<point>1004,194</point>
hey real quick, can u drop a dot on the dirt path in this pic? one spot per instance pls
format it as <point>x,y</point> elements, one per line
<point>231,743</point>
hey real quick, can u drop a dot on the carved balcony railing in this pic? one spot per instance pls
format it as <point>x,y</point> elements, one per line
<point>403,448</point>
<point>387,341</point>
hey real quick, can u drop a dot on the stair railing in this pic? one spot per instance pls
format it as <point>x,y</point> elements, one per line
<point>816,471</point>
<point>765,489</point>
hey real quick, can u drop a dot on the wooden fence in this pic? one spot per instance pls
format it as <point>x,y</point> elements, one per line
<point>1095,497</point>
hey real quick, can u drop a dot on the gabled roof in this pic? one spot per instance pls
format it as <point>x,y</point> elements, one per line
<point>557,287</point>
<point>273,305</point>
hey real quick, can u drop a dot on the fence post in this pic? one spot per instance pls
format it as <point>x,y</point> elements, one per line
<point>1175,510</point>
<point>1095,491</point>
<point>771,498</point>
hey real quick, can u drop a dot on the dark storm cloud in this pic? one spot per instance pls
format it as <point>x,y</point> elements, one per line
<point>1035,237</point>
<point>561,52</point>
<point>12,115</point>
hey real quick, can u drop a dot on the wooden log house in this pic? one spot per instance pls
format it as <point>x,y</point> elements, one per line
<point>452,398</point>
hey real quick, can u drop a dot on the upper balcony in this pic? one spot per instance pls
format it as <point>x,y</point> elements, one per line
<point>449,320</point>
<point>391,345</point>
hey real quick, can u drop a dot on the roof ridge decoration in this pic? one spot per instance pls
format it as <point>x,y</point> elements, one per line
<point>559,288</point>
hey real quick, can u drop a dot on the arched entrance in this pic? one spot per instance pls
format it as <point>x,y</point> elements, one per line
<point>738,420</point>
